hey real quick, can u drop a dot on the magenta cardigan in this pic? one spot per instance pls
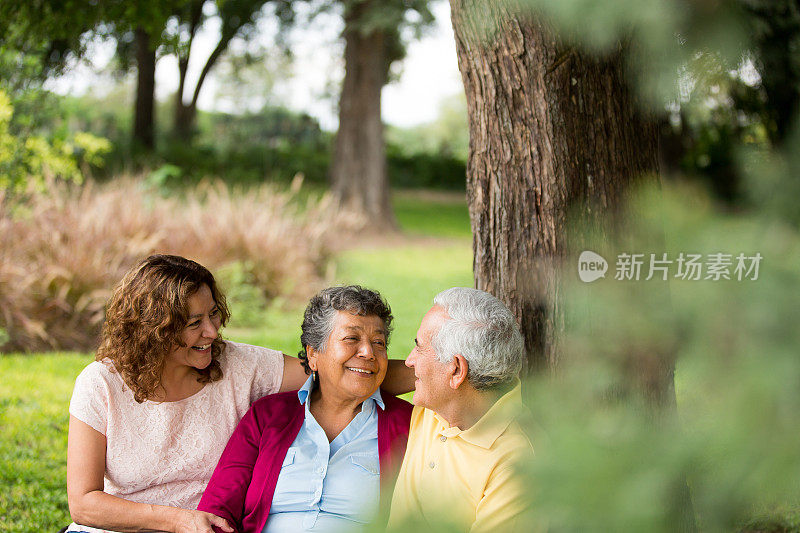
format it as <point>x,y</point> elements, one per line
<point>242,486</point>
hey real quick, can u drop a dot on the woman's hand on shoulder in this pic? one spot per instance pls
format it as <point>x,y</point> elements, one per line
<point>189,521</point>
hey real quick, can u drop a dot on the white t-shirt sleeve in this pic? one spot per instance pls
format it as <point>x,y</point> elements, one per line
<point>89,402</point>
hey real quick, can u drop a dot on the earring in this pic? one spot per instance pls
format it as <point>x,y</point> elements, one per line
<point>313,376</point>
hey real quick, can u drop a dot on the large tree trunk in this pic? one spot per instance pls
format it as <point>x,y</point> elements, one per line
<point>552,132</point>
<point>144,113</point>
<point>358,171</point>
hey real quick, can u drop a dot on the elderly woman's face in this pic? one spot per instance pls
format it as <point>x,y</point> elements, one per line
<point>354,361</point>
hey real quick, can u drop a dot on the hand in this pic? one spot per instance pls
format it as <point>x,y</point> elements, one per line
<point>199,522</point>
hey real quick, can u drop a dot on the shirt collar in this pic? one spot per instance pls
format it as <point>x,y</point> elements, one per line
<point>308,386</point>
<point>492,424</point>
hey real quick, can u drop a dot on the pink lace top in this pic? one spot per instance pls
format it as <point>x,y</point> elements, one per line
<point>164,453</point>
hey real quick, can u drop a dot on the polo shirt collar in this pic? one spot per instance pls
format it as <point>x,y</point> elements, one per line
<point>308,386</point>
<point>492,424</point>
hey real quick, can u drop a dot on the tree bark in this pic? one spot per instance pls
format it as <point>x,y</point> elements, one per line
<point>552,133</point>
<point>184,115</point>
<point>144,113</point>
<point>358,172</point>
<point>184,121</point>
<point>210,62</point>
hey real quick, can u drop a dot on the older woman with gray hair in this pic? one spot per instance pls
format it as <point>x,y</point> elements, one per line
<point>317,459</point>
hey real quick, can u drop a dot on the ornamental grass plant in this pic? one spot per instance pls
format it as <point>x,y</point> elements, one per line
<point>63,250</point>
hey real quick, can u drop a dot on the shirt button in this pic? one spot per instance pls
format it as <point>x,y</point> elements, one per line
<point>442,438</point>
<point>431,464</point>
<point>320,470</point>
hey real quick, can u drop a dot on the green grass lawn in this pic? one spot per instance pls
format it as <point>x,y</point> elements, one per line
<point>35,389</point>
<point>34,397</point>
<point>412,209</point>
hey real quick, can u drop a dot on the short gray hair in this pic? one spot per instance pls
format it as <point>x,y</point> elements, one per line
<point>484,331</point>
<point>321,311</point>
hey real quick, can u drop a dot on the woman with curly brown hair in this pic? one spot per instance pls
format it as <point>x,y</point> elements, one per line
<point>150,417</point>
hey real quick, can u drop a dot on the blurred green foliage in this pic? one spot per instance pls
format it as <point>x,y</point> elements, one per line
<point>609,462</point>
<point>771,178</point>
<point>245,301</point>
<point>32,161</point>
<point>662,36</point>
<point>720,111</point>
<point>273,144</point>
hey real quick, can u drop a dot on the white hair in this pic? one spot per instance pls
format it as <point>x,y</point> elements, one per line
<point>484,332</point>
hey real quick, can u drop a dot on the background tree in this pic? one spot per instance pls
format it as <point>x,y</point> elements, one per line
<point>374,39</point>
<point>37,40</point>
<point>555,134</point>
<point>552,130</point>
<point>138,30</point>
<point>775,27</point>
<point>144,110</point>
<point>730,105</point>
<point>56,32</point>
<point>558,133</point>
<point>238,18</point>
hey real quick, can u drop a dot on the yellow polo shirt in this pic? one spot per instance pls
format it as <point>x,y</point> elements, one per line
<point>465,478</point>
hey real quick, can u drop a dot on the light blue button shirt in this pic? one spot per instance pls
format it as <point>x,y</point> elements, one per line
<point>326,486</point>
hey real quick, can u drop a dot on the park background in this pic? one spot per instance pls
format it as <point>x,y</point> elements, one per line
<point>255,174</point>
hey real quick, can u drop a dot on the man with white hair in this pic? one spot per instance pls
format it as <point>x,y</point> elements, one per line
<point>465,440</point>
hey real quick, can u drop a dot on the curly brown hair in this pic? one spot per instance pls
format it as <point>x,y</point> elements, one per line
<point>145,317</point>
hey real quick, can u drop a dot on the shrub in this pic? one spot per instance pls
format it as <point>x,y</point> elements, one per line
<point>31,161</point>
<point>425,170</point>
<point>62,252</point>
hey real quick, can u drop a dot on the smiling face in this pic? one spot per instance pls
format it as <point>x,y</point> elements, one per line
<point>199,332</point>
<point>353,364</point>
<point>432,383</point>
